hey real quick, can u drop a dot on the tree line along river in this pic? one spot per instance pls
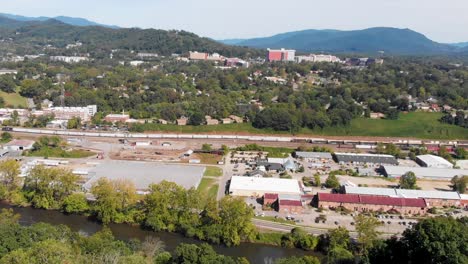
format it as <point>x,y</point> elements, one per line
<point>255,253</point>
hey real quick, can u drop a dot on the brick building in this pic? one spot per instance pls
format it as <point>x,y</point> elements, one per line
<point>269,199</point>
<point>372,203</point>
<point>281,55</point>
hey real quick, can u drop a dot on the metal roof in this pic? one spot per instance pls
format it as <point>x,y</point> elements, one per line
<point>434,161</point>
<point>267,185</point>
<point>370,191</point>
<point>371,199</point>
<point>142,174</point>
<point>402,193</point>
<point>423,172</point>
<point>427,194</point>
<point>366,158</point>
<point>313,155</point>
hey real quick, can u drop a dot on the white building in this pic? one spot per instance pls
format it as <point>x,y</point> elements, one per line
<point>421,172</point>
<point>252,186</point>
<point>66,113</point>
<point>317,58</point>
<point>18,145</point>
<point>7,71</point>
<point>136,63</point>
<point>69,59</point>
<point>432,161</point>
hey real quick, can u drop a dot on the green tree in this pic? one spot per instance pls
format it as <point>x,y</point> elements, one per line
<point>75,203</point>
<point>317,181</point>
<point>461,153</point>
<point>206,147</point>
<point>332,182</point>
<point>112,199</point>
<point>443,152</point>
<point>6,137</point>
<point>338,240</point>
<point>367,233</point>
<point>437,240</point>
<point>9,175</point>
<point>47,187</point>
<point>235,220</point>
<point>74,123</point>
<point>459,184</point>
<point>200,254</point>
<point>408,181</point>
<point>298,260</point>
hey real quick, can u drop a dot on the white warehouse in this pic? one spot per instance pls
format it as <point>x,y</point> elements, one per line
<point>432,161</point>
<point>252,186</point>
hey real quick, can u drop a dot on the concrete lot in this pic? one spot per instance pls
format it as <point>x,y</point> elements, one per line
<point>146,173</point>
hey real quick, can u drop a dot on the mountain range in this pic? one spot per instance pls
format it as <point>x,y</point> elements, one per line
<point>33,36</point>
<point>62,29</point>
<point>74,21</point>
<point>371,40</point>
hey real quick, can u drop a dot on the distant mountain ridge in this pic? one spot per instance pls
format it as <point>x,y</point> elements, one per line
<point>98,40</point>
<point>74,21</point>
<point>371,40</point>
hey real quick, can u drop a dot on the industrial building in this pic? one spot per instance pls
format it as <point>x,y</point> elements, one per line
<point>313,155</point>
<point>67,113</point>
<point>375,203</point>
<point>143,174</point>
<point>281,55</point>
<point>358,158</point>
<point>422,172</point>
<point>317,58</point>
<point>432,161</point>
<point>432,198</point>
<point>257,187</point>
<point>18,145</point>
<point>290,204</point>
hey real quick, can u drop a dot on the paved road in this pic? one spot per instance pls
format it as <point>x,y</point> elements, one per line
<point>278,227</point>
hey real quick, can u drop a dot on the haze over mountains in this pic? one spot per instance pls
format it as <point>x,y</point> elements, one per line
<point>371,40</point>
<point>74,21</point>
<point>32,36</point>
<point>367,41</point>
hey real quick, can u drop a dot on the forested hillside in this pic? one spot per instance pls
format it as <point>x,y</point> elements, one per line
<point>32,36</point>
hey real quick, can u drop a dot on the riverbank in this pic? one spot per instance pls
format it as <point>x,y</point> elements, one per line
<point>254,252</point>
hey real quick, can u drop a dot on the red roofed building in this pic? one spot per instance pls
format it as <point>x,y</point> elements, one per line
<point>269,199</point>
<point>365,203</point>
<point>290,206</point>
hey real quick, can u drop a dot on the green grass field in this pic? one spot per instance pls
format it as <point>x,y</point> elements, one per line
<point>213,171</point>
<point>209,187</point>
<point>60,153</point>
<point>414,125</point>
<point>14,99</point>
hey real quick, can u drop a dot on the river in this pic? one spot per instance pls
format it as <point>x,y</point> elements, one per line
<point>255,253</point>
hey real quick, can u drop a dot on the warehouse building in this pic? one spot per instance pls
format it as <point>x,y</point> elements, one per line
<point>432,161</point>
<point>290,204</point>
<point>143,174</point>
<point>372,203</point>
<point>313,155</point>
<point>432,198</point>
<point>422,172</point>
<point>358,158</point>
<point>18,145</point>
<point>257,187</point>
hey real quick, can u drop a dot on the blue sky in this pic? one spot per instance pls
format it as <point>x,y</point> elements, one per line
<point>443,21</point>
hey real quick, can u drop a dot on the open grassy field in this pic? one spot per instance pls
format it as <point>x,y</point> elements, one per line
<point>417,125</point>
<point>14,99</point>
<point>209,187</point>
<point>213,171</point>
<point>60,153</point>
<point>413,125</point>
